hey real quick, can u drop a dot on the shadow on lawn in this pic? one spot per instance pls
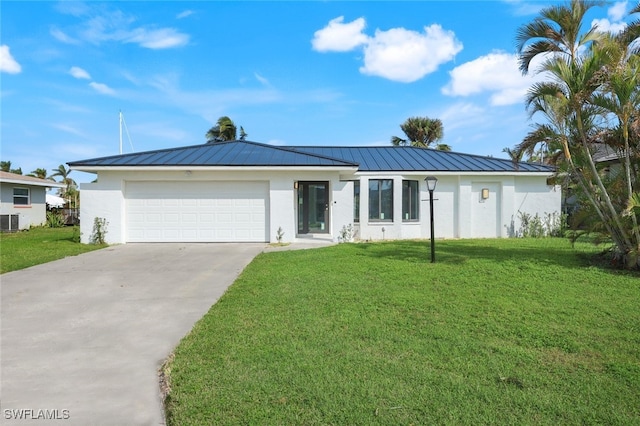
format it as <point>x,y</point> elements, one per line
<point>454,252</point>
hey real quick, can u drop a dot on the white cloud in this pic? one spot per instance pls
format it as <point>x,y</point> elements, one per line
<point>79,73</point>
<point>198,102</point>
<point>524,8</point>
<point>617,11</point>
<point>397,54</point>
<point>614,23</point>
<point>102,25</point>
<point>606,26</point>
<point>462,114</point>
<point>497,73</point>
<point>339,37</point>
<point>62,37</point>
<point>102,88</point>
<point>7,63</point>
<point>184,14</point>
<point>163,38</point>
<point>406,56</point>
<point>68,129</point>
<point>262,80</point>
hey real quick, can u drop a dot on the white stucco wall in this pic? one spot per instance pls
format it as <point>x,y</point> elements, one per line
<point>106,198</point>
<point>532,198</point>
<point>459,211</point>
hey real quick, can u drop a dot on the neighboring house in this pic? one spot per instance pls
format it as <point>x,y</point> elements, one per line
<point>23,200</point>
<point>246,191</point>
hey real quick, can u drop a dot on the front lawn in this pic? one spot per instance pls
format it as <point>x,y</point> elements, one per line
<point>39,245</point>
<point>505,331</point>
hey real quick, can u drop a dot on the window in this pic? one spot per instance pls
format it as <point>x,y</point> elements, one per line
<point>356,201</point>
<point>21,196</point>
<point>410,200</point>
<point>381,199</point>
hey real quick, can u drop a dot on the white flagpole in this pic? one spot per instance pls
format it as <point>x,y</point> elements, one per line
<point>120,115</point>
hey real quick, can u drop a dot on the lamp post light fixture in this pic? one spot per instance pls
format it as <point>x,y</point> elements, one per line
<point>431,186</point>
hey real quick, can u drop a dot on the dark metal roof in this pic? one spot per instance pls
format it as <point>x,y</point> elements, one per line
<point>368,159</point>
<point>395,158</point>
<point>230,153</point>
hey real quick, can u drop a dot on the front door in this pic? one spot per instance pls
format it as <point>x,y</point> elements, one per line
<point>313,207</point>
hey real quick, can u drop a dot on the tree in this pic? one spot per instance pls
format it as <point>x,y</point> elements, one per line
<point>39,173</point>
<point>421,132</point>
<point>593,78</point>
<point>5,166</point>
<point>70,185</point>
<point>224,130</point>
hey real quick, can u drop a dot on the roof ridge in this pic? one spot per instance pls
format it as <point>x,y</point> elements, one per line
<point>422,148</point>
<point>298,150</point>
<point>295,151</point>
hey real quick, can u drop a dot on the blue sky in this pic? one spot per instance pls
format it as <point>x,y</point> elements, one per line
<point>290,73</point>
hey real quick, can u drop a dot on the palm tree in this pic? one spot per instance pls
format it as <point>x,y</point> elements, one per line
<point>5,166</point>
<point>544,143</point>
<point>632,33</point>
<point>421,132</point>
<point>621,97</point>
<point>243,134</point>
<point>573,103</point>
<point>64,173</point>
<point>557,31</point>
<point>39,173</point>
<point>224,130</point>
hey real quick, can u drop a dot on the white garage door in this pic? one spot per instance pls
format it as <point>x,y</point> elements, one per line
<point>196,211</point>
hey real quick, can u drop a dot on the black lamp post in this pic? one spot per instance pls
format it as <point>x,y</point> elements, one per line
<point>431,186</point>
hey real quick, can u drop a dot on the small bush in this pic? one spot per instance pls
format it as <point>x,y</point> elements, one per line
<point>534,226</point>
<point>99,230</point>
<point>76,234</point>
<point>347,234</point>
<point>55,219</point>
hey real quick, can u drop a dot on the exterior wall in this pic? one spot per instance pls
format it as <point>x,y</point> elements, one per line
<point>29,215</point>
<point>106,198</point>
<point>532,198</point>
<point>459,210</point>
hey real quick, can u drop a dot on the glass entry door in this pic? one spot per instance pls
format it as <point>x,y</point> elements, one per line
<point>313,207</point>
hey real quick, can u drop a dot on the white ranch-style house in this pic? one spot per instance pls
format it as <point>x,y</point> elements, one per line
<point>241,191</point>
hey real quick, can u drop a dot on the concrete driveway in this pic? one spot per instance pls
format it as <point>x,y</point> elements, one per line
<point>83,337</point>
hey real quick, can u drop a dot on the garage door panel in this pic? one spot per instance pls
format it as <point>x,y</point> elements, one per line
<point>201,212</point>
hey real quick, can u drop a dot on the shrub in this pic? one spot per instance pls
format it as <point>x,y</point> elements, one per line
<point>347,233</point>
<point>55,219</point>
<point>533,226</point>
<point>99,230</point>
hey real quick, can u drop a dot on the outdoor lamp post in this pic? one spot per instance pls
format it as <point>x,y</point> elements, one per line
<point>431,186</point>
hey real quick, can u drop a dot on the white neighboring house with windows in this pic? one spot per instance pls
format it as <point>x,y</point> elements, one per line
<point>241,191</point>
<point>23,201</point>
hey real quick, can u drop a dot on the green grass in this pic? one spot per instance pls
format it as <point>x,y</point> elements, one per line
<point>38,245</point>
<point>495,332</point>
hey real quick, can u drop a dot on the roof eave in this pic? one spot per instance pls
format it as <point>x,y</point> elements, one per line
<point>456,173</point>
<point>93,169</point>
<point>30,183</point>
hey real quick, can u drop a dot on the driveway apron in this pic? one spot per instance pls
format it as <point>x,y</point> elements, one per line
<point>83,337</point>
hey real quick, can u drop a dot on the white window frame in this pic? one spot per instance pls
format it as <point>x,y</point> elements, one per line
<point>21,196</point>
